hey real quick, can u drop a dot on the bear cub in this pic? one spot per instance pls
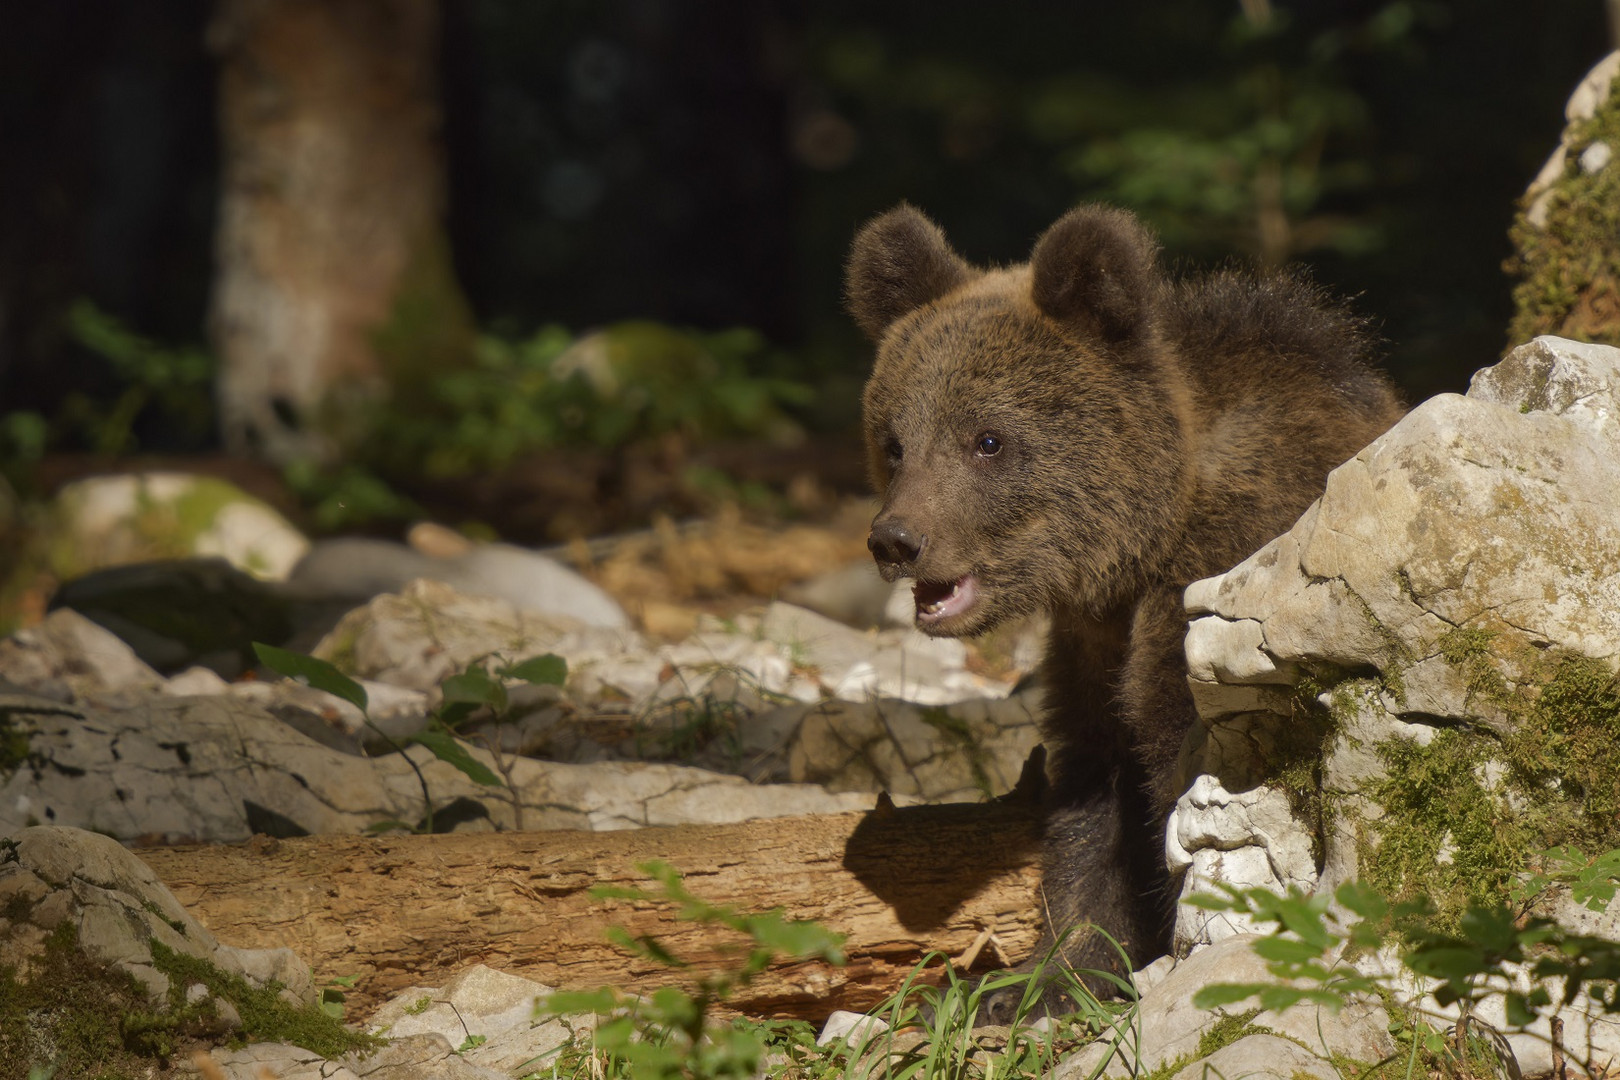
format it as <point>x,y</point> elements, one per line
<point>1084,436</point>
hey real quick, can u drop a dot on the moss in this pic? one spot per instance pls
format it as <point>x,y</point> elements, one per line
<point>177,925</point>
<point>86,1019</point>
<point>1569,268</point>
<point>1564,756</point>
<point>1462,814</point>
<point>1294,765</point>
<point>266,1016</point>
<point>164,528</point>
<point>13,742</point>
<point>195,510</point>
<point>69,1013</point>
<point>1227,1030</point>
<point>1444,834</point>
<point>341,652</point>
<point>1469,650</point>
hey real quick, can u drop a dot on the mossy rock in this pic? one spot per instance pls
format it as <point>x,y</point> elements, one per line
<point>115,520</point>
<point>1566,235</point>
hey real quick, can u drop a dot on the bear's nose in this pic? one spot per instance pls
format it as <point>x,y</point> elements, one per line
<point>894,543</point>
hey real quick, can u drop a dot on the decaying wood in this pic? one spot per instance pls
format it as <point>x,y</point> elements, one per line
<point>413,910</point>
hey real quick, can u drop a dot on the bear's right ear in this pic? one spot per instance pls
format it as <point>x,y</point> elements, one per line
<point>900,261</point>
<point>1096,267</point>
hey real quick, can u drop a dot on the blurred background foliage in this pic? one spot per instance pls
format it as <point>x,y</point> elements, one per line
<point>631,181</point>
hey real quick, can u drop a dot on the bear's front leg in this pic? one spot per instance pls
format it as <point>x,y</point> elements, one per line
<point>1102,891</point>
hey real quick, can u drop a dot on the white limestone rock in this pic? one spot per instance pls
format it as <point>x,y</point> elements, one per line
<point>118,908</point>
<point>479,1001</point>
<point>68,657</point>
<point>219,769</point>
<point>1171,1026</point>
<point>107,521</point>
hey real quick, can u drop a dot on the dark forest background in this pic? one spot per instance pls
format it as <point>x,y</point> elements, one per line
<point>703,164</point>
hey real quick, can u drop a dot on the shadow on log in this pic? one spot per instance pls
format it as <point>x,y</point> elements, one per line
<point>402,911</point>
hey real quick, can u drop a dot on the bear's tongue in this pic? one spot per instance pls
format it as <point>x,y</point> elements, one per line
<point>938,600</point>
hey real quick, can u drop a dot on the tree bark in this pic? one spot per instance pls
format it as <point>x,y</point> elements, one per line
<point>414,910</point>
<point>331,249</point>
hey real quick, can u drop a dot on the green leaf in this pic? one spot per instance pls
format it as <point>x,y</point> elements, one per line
<point>675,1007</point>
<point>1454,963</point>
<point>1286,950</point>
<point>547,670</point>
<point>796,939</point>
<point>574,1002</point>
<point>315,672</point>
<point>1234,900</point>
<point>1278,998</point>
<point>1215,995</point>
<point>1491,928</point>
<point>1519,1012</point>
<point>1363,900</point>
<point>474,687</point>
<point>448,750</point>
<point>1305,915</point>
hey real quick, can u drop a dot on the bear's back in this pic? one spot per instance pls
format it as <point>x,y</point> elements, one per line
<point>1282,394</point>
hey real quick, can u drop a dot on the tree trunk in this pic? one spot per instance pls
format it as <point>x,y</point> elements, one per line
<point>333,267</point>
<point>413,910</point>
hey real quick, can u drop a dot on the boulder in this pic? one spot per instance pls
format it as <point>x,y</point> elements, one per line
<point>483,1002</point>
<point>89,925</point>
<point>68,658</point>
<point>181,613</point>
<point>107,521</point>
<point>962,752</point>
<point>1172,1027</point>
<point>358,568</point>
<point>219,768</point>
<point>412,1057</point>
<point>1260,1057</point>
<point>1566,251</point>
<point>1415,686</point>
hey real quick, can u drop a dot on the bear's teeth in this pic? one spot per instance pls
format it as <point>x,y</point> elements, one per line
<point>938,600</point>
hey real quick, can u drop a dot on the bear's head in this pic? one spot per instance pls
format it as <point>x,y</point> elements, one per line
<point>1025,426</point>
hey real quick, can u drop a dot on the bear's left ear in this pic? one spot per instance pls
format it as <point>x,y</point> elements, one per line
<point>899,261</point>
<point>1097,268</point>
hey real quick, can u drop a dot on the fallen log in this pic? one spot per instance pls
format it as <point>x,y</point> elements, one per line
<point>399,911</point>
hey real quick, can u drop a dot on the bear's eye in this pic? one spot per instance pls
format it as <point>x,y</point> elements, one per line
<point>892,448</point>
<point>988,445</point>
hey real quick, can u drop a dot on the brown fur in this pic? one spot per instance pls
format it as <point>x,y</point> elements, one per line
<point>1145,433</point>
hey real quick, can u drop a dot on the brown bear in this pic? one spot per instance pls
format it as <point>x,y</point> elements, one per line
<point>1082,435</point>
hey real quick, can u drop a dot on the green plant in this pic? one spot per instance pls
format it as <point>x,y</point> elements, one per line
<point>24,436</point>
<point>952,1047</point>
<point>174,382</point>
<point>462,693</point>
<point>926,1031</point>
<point>671,1033</point>
<point>346,495</point>
<point>632,382</point>
<point>1464,964</point>
<point>334,995</point>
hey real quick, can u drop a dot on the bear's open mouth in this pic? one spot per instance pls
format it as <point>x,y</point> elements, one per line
<point>938,600</point>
